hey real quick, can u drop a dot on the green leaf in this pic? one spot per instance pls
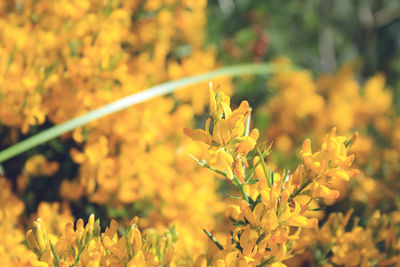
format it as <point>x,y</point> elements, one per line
<point>252,181</point>
<point>56,257</point>
<point>267,174</point>
<point>219,246</point>
<point>266,262</point>
<point>316,209</point>
<point>203,164</point>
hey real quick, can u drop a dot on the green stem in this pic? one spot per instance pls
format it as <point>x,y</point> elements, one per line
<point>56,257</point>
<point>266,262</point>
<point>260,154</point>
<point>241,188</point>
<point>247,132</point>
<point>251,171</point>
<point>215,170</point>
<point>303,186</point>
<point>219,246</point>
<point>128,101</point>
<point>78,258</point>
<point>204,164</point>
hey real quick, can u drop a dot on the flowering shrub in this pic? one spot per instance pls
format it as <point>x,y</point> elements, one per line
<point>66,58</point>
<point>339,100</point>
<point>297,191</point>
<point>269,220</point>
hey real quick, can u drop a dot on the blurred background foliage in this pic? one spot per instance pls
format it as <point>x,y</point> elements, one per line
<point>320,36</point>
<point>317,35</point>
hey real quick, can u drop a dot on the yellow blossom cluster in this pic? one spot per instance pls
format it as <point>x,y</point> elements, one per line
<point>339,99</point>
<point>62,59</point>
<point>12,250</point>
<point>228,143</point>
<point>85,245</point>
<point>39,165</point>
<point>266,220</point>
<point>271,218</point>
<point>268,217</point>
<point>304,107</point>
<point>343,241</point>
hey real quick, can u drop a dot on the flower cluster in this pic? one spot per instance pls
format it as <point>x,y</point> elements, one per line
<point>248,203</point>
<point>328,166</point>
<point>269,217</point>
<point>85,245</point>
<point>272,218</point>
<point>343,241</point>
<point>228,144</point>
<point>338,99</point>
<point>12,250</point>
<point>61,60</point>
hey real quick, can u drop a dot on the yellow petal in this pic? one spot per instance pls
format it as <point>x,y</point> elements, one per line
<point>341,175</point>
<point>238,170</point>
<point>198,135</point>
<point>230,259</point>
<point>227,161</point>
<point>246,145</point>
<point>200,262</point>
<point>247,213</point>
<point>278,264</point>
<point>221,133</point>
<point>306,148</point>
<point>327,193</point>
<point>301,221</point>
<point>254,134</point>
<point>137,261</point>
<point>220,263</point>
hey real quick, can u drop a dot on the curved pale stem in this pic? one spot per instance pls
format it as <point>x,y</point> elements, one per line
<point>128,101</point>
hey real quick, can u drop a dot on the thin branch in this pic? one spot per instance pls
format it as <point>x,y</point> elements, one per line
<point>129,101</point>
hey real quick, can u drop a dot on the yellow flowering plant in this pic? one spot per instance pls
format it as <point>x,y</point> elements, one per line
<point>248,202</point>
<point>302,106</point>
<point>267,219</point>
<point>271,222</point>
<point>62,60</point>
<point>270,214</point>
<point>85,245</point>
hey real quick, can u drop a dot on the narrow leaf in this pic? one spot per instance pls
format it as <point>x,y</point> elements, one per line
<point>219,246</point>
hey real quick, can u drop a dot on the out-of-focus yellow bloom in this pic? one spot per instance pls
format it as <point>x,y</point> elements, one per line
<point>60,60</point>
<point>71,190</point>
<point>54,216</point>
<point>12,250</point>
<point>39,165</point>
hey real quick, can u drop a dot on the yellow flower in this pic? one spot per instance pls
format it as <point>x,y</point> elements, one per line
<point>39,165</point>
<point>228,146</point>
<point>332,162</point>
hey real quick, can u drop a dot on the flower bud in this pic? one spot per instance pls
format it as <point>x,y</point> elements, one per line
<point>40,234</point>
